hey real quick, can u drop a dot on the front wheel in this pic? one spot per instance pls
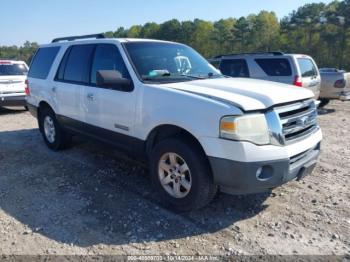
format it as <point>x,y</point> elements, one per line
<point>324,102</point>
<point>181,175</point>
<point>54,137</point>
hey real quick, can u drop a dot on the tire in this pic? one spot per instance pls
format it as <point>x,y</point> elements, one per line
<point>324,102</point>
<point>202,189</point>
<point>25,108</point>
<point>55,138</point>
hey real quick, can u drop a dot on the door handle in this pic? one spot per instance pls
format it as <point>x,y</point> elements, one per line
<point>54,89</point>
<point>90,96</point>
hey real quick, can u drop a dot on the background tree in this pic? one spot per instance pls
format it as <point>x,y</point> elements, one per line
<point>317,29</point>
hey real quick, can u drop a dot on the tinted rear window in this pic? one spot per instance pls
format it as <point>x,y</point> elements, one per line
<point>307,67</point>
<point>42,62</point>
<point>234,68</point>
<point>13,70</point>
<point>275,66</point>
<point>78,64</point>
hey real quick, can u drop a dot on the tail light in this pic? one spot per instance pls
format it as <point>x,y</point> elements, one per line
<point>27,90</point>
<point>341,83</point>
<point>298,81</point>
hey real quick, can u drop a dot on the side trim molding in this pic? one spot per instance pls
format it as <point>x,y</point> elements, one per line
<point>128,144</point>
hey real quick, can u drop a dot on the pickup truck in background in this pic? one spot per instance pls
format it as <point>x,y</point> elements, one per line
<point>335,84</point>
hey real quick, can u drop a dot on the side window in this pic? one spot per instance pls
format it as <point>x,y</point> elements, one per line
<point>42,62</point>
<point>275,66</point>
<point>234,67</point>
<point>77,68</point>
<point>108,57</point>
<point>307,67</point>
<point>60,71</point>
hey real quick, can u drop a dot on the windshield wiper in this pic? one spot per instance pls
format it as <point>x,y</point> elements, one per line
<point>193,76</point>
<point>210,75</point>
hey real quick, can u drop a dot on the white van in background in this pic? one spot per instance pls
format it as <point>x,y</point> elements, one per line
<point>293,69</point>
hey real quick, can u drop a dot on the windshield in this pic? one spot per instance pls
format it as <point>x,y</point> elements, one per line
<point>13,70</point>
<point>169,62</point>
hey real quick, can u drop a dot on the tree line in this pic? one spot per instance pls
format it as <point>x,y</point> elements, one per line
<point>317,29</point>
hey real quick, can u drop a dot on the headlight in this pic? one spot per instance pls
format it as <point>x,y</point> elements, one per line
<point>251,128</point>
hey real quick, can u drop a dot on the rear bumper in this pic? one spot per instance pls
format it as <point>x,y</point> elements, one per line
<point>345,95</point>
<point>16,100</point>
<point>336,93</point>
<point>32,109</point>
<point>236,177</point>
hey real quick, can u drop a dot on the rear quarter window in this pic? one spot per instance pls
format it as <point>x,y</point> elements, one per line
<point>275,66</point>
<point>42,62</point>
<point>307,67</point>
<point>234,67</point>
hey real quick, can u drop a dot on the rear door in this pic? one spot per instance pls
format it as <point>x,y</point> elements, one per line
<point>309,73</point>
<point>234,67</point>
<point>72,75</point>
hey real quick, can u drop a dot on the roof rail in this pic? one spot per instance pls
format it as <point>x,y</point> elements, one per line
<point>72,38</point>
<point>253,53</point>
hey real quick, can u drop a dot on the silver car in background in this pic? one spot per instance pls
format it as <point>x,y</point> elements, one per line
<point>293,69</point>
<point>335,85</point>
<point>13,75</point>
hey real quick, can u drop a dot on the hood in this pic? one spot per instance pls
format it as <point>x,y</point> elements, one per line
<point>248,94</point>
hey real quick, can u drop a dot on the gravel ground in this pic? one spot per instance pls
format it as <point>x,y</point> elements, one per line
<point>91,200</point>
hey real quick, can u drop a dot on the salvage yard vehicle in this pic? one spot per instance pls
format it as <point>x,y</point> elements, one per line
<point>335,85</point>
<point>13,75</point>
<point>162,102</point>
<point>295,69</point>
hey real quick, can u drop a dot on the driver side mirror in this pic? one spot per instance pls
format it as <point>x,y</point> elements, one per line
<point>113,79</point>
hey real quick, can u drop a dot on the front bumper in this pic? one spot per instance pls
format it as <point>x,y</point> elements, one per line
<point>236,177</point>
<point>344,96</point>
<point>9,100</point>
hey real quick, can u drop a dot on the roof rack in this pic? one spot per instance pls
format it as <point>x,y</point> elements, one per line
<point>72,38</point>
<point>253,53</point>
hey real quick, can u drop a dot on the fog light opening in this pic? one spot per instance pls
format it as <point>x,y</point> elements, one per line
<point>264,173</point>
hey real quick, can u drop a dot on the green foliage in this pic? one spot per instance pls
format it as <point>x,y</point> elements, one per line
<point>317,29</point>
<point>24,52</point>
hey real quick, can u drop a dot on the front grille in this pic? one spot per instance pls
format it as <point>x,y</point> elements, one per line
<point>298,120</point>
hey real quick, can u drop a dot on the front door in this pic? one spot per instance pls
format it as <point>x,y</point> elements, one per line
<point>109,113</point>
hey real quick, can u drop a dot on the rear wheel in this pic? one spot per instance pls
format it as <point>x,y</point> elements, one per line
<point>54,137</point>
<point>181,175</point>
<point>324,102</point>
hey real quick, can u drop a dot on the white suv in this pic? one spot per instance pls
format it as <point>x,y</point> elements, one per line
<point>164,103</point>
<point>293,69</point>
<point>13,75</point>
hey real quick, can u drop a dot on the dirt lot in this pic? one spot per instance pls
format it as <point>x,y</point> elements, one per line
<point>91,200</point>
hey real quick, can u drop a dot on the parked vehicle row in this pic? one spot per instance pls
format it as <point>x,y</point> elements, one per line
<point>199,130</point>
<point>292,69</point>
<point>12,82</point>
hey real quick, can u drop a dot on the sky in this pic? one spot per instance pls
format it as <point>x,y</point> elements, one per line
<point>41,20</point>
